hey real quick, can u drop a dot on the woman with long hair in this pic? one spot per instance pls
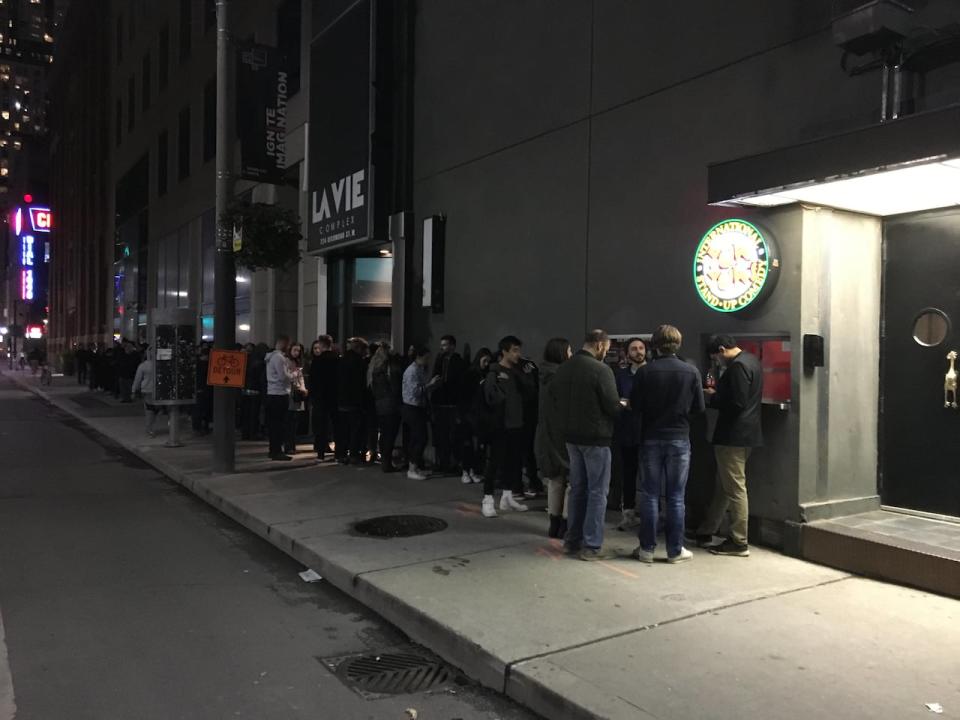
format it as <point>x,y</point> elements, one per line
<point>549,446</point>
<point>298,394</point>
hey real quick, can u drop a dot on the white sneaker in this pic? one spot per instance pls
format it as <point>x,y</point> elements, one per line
<point>508,502</point>
<point>644,556</point>
<point>682,557</point>
<point>488,507</point>
<point>465,478</point>
<point>474,477</point>
<point>630,520</point>
<point>414,474</point>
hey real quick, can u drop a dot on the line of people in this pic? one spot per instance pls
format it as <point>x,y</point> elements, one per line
<point>505,422</point>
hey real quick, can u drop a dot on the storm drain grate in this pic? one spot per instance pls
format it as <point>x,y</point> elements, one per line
<point>393,526</point>
<point>392,674</point>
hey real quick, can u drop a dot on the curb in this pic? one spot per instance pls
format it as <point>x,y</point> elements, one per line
<point>456,649</point>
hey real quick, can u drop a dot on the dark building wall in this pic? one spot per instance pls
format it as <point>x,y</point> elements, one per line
<point>81,250</point>
<point>567,144</point>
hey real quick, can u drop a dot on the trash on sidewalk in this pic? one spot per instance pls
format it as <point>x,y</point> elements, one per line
<point>935,708</point>
<point>412,714</point>
<point>310,576</point>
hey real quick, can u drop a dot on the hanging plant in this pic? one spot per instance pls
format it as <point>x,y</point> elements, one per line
<point>271,235</point>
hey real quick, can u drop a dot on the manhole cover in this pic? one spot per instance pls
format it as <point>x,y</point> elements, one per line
<point>391,526</point>
<point>392,674</point>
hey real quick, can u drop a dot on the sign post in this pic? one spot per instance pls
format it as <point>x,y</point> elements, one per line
<point>225,270</point>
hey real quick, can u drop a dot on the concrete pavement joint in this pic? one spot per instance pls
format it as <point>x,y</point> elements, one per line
<point>671,621</point>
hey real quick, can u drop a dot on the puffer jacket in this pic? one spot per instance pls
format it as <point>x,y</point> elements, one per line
<point>587,400</point>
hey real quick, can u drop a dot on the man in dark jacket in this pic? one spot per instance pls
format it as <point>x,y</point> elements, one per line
<point>585,395</point>
<point>739,397</point>
<point>323,394</point>
<point>503,394</point>
<point>665,393</point>
<point>451,370</point>
<point>351,394</point>
<point>627,438</point>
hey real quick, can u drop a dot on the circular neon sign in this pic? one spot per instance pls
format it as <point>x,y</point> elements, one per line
<point>735,266</point>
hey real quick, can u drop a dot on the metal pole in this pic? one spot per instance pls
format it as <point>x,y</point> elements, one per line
<point>225,277</point>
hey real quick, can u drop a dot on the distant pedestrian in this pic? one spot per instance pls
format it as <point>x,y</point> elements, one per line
<point>203,398</point>
<point>585,393</point>
<point>550,447</point>
<point>416,383</point>
<point>254,389</point>
<point>322,383</point>
<point>298,398</point>
<point>503,394</point>
<point>351,396</point>
<point>474,436</point>
<point>739,398</point>
<point>450,370</point>
<point>665,393</point>
<point>143,388</point>
<point>386,384</point>
<point>627,437</point>
<point>82,358</point>
<point>279,379</point>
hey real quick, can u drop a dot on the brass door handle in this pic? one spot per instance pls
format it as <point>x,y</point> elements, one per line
<point>950,382</point>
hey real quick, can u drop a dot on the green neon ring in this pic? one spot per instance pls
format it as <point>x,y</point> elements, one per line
<point>766,260</point>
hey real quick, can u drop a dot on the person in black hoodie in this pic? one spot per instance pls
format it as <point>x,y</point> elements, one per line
<point>385,377</point>
<point>739,398</point>
<point>351,391</point>
<point>322,384</point>
<point>450,369</point>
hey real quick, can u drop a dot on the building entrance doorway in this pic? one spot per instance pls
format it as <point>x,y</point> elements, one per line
<point>920,420</point>
<point>360,297</point>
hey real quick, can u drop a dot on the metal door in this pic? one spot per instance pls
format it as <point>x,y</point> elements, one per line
<point>920,421</point>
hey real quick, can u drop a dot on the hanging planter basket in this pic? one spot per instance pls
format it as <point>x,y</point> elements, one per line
<point>270,235</point>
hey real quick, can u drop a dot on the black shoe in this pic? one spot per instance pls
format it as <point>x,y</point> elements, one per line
<point>729,547</point>
<point>562,530</point>
<point>554,529</point>
<point>703,541</point>
<point>281,457</point>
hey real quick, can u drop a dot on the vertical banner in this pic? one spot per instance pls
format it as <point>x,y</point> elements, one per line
<point>340,183</point>
<point>262,94</point>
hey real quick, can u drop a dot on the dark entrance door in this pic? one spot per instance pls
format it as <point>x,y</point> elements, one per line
<point>920,438</point>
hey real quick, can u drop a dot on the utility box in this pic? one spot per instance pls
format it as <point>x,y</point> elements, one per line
<point>173,341</point>
<point>863,27</point>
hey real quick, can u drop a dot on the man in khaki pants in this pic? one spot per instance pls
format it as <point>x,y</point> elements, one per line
<point>738,396</point>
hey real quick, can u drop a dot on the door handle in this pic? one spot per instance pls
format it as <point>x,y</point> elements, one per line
<point>950,382</point>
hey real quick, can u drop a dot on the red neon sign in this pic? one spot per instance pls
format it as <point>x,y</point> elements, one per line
<point>41,219</point>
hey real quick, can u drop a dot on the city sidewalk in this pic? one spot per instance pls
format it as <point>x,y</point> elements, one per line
<point>764,637</point>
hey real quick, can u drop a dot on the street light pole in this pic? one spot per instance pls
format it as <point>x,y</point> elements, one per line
<point>225,273</point>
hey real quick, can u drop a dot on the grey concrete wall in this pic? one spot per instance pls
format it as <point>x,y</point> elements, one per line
<point>840,402</point>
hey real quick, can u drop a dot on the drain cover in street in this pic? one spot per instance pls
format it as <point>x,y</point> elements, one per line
<point>392,674</point>
<point>391,526</point>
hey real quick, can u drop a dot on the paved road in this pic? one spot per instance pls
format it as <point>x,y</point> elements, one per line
<point>123,597</point>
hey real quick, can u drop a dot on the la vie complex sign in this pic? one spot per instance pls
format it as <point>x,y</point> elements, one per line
<point>736,266</point>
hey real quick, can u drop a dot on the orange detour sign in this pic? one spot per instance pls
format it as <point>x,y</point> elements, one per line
<point>228,368</point>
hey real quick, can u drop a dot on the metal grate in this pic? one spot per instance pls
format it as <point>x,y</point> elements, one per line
<point>394,526</point>
<point>393,674</point>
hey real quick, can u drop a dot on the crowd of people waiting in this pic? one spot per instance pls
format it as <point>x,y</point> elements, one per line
<point>501,420</point>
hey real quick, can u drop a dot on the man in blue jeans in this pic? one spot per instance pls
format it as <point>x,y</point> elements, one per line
<point>665,393</point>
<point>583,397</point>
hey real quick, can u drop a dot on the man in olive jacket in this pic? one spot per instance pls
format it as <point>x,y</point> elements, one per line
<point>739,398</point>
<point>584,394</point>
